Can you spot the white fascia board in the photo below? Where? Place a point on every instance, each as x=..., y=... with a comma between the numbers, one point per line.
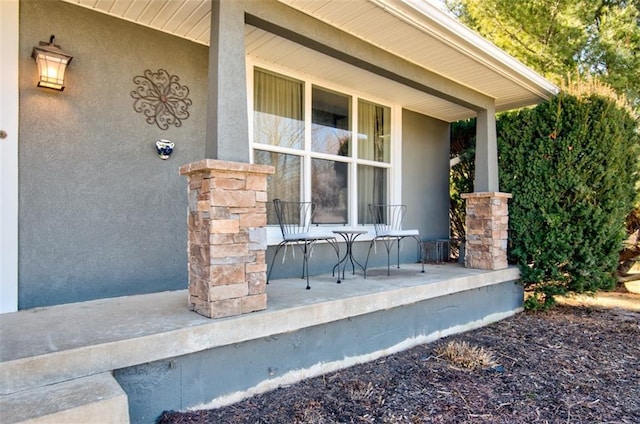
x=426, y=16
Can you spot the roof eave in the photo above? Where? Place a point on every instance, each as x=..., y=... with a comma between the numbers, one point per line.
x=429, y=18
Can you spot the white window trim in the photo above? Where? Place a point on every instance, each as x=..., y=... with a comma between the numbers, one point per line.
x=274, y=235
x=9, y=47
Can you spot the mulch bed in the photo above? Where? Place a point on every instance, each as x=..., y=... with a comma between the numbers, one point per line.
x=572, y=364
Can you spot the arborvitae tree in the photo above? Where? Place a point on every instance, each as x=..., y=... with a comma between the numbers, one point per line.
x=572, y=167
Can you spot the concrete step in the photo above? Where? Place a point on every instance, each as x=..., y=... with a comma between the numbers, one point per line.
x=93, y=399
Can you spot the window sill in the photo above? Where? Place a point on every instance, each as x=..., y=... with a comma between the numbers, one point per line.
x=274, y=236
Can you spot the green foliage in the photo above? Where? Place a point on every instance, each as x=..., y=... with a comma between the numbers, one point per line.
x=571, y=165
x=611, y=52
x=542, y=34
x=462, y=147
x=538, y=301
x=564, y=38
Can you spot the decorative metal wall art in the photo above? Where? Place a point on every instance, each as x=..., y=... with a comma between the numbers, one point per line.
x=161, y=98
x=164, y=148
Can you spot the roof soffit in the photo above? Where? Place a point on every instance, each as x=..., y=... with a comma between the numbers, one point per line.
x=419, y=32
x=415, y=30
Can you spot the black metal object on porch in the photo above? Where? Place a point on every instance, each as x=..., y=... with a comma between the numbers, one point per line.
x=387, y=221
x=349, y=236
x=295, y=220
x=437, y=251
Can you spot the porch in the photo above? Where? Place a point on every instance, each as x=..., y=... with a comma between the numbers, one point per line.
x=60, y=360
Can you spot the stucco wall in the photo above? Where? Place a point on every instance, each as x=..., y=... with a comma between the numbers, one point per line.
x=425, y=174
x=100, y=214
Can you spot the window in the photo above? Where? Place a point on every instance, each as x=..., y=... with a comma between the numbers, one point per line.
x=330, y=134
x=326, y=146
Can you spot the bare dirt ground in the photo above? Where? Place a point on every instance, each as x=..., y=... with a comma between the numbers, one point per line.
x=578, y=363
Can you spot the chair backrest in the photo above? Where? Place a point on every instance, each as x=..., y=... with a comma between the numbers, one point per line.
x=387, y=218
x=294, y=217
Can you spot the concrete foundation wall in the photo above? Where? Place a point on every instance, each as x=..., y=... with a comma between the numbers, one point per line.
x=100, y=214
x=227, y=373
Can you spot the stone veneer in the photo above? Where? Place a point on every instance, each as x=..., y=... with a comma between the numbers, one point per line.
x=487, y=230
x=227, y=237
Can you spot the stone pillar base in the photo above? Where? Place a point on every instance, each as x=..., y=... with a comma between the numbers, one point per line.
x=487, y=223
x=227, y=237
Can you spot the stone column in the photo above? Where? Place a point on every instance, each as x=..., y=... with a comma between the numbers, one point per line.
x=487, y=222
x=227, y=237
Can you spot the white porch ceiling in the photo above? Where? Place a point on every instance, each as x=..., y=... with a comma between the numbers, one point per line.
x=414, y=30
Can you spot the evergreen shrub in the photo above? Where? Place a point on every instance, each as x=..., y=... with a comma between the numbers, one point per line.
x=572, y=167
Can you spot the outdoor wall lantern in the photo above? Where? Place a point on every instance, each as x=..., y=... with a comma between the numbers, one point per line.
x=52, y=62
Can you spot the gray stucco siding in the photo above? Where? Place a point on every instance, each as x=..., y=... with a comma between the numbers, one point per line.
x=425, y=174
x=100, y=214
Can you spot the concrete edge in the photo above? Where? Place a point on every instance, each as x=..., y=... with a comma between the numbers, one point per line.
x=97, y=398
x=26, y=373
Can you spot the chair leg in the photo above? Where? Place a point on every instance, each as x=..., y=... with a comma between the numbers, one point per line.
x=421, y=250
x=334, y=244
x=304, y=253
x=398, y=253
x=306, y=263
x=367, y=261
x=389, y=245
x=304, y=249
x=306, y=266
x=273, y=261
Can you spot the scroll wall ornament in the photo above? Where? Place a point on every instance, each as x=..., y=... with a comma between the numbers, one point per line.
x=161, y=98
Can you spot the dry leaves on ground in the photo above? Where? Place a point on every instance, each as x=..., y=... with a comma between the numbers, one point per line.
x=573, y=364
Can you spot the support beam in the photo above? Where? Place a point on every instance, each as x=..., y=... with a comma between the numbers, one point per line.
x=486, y=176
x=227, y=120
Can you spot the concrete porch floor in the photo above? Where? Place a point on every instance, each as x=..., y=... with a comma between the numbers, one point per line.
x=45, y=346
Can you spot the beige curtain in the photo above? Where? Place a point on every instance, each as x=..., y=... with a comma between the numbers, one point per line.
x=278, y=110
x=285, y=183
x=374, y=129
x=373, y=144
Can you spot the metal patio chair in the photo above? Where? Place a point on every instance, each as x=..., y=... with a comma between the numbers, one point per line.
x=295, y=220
x=387, y=221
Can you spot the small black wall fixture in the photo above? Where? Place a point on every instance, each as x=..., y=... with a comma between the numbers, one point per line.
x=52, y=63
